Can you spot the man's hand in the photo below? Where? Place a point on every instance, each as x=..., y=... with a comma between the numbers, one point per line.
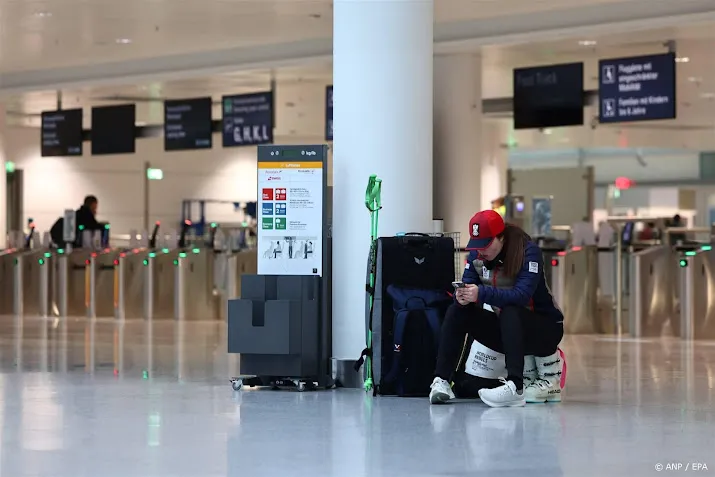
x=468, y=294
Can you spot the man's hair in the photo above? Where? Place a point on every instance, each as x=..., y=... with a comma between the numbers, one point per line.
x=89, y=201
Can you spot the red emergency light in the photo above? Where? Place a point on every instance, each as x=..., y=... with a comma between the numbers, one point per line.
x=624, y=183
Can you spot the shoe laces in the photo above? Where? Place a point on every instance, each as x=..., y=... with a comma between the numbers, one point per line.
x=542, y=383
x=507, y=387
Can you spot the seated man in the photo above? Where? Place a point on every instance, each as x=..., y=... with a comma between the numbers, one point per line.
x=506, y=305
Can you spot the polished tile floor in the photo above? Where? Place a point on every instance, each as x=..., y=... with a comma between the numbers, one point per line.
x=94, y=398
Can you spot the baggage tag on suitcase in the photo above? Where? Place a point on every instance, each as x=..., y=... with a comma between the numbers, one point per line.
x=484, y=362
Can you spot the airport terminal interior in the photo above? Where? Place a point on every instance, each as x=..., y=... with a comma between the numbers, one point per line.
x=184, y=235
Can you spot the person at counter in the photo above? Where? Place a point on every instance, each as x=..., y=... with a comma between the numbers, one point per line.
x=676, y=238
x=505, y=304
x=85, y=219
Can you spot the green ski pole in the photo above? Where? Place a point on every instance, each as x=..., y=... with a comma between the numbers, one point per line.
x=373, y=204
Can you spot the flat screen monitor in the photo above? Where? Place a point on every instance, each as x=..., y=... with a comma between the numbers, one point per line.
x=61, y=133
x=113, y=129
x=548, y=96
x=187, y=124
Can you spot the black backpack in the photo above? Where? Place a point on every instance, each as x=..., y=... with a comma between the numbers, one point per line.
x=56, y=232
x=417, y=321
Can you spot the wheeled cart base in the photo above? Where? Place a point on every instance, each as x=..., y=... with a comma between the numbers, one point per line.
x=300, y=384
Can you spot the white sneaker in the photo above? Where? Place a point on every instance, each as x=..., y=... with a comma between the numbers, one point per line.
x=440, y=391
x=547, y=387
x=504, y=396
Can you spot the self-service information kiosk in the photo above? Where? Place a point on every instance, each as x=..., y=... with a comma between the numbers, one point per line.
x=281, y=325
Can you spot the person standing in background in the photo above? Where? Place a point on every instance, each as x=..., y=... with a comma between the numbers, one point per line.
x=499, y=206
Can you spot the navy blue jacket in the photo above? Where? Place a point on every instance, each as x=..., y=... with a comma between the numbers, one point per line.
x=528, y=289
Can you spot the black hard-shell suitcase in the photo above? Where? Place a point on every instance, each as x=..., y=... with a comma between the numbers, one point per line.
x=414, y=261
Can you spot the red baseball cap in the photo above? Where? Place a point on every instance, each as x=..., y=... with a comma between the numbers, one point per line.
x=483, y=229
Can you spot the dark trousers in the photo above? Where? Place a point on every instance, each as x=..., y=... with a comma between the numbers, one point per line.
x=515, y=331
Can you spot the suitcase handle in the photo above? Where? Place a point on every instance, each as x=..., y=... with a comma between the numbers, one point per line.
x=417, y=239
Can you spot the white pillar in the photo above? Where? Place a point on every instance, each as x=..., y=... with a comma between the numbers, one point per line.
x=457, y=140
x=495, y=159
x=382, y=73
x=3, y=181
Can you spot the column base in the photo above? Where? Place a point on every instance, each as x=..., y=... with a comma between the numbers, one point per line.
x=344, y=375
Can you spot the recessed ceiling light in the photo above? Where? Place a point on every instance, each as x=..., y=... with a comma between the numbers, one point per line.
x=707, y=95
x=587, y=42
x=123, y=41
x=682, y=59
x=547, y=131
x=695, y=79
x=43, y=14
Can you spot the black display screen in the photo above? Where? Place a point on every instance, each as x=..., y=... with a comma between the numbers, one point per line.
x=61, y=133
x=113, y=129
x=548, y=96
x=640, y=88
x=248, y=119
x=187, y=124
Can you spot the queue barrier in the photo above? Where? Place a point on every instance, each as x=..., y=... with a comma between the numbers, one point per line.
x=654, y=293
x=574, y=277
x=697, y=287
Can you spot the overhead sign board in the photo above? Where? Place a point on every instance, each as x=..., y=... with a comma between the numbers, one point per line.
x=291, y=209
x=248, y=119
x=640, y=88
x=329, y=113
x=548, y=96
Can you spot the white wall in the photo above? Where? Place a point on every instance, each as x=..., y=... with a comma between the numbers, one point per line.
x=53, y=184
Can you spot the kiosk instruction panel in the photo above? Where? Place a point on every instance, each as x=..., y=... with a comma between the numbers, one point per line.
x=291, y=209
x=637, y=89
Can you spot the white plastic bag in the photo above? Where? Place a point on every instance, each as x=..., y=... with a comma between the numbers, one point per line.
x=484, y=362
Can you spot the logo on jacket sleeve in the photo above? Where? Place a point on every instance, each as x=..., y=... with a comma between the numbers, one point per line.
x=534, y=267
x=475, y=230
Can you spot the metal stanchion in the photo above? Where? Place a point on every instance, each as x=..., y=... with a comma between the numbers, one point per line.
x=149, y=289
x=62, y=284
x=91, y=301
x=179, y=295
x=44, y=288
x=18, y=305
x=619, y=280
x=119, y=312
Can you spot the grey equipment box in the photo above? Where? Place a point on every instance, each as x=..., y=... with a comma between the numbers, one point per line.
x=281, y=330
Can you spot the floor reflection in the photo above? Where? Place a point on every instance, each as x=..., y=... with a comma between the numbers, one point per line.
x=98, y=397
x=149, y=349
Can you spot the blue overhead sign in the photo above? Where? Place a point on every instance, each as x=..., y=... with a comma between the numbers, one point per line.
x=637, y=89
x=329, y=113
x=248, y=119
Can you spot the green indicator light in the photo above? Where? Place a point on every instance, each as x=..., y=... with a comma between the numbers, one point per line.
x=145, y=374
x=165, y=250
x=41, y=261
x=176, y=262
x=690, y=254
x=707, y=248
x=182, y=255
x=81, y=228
x=152, y=255
x=683, y=263
x=48, y=254
x=106, y=226
x=146, y=262
x=214, y=225
x=196, y=250
x=60, y=251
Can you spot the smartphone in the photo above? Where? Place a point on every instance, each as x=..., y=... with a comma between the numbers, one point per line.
x=458, y=284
